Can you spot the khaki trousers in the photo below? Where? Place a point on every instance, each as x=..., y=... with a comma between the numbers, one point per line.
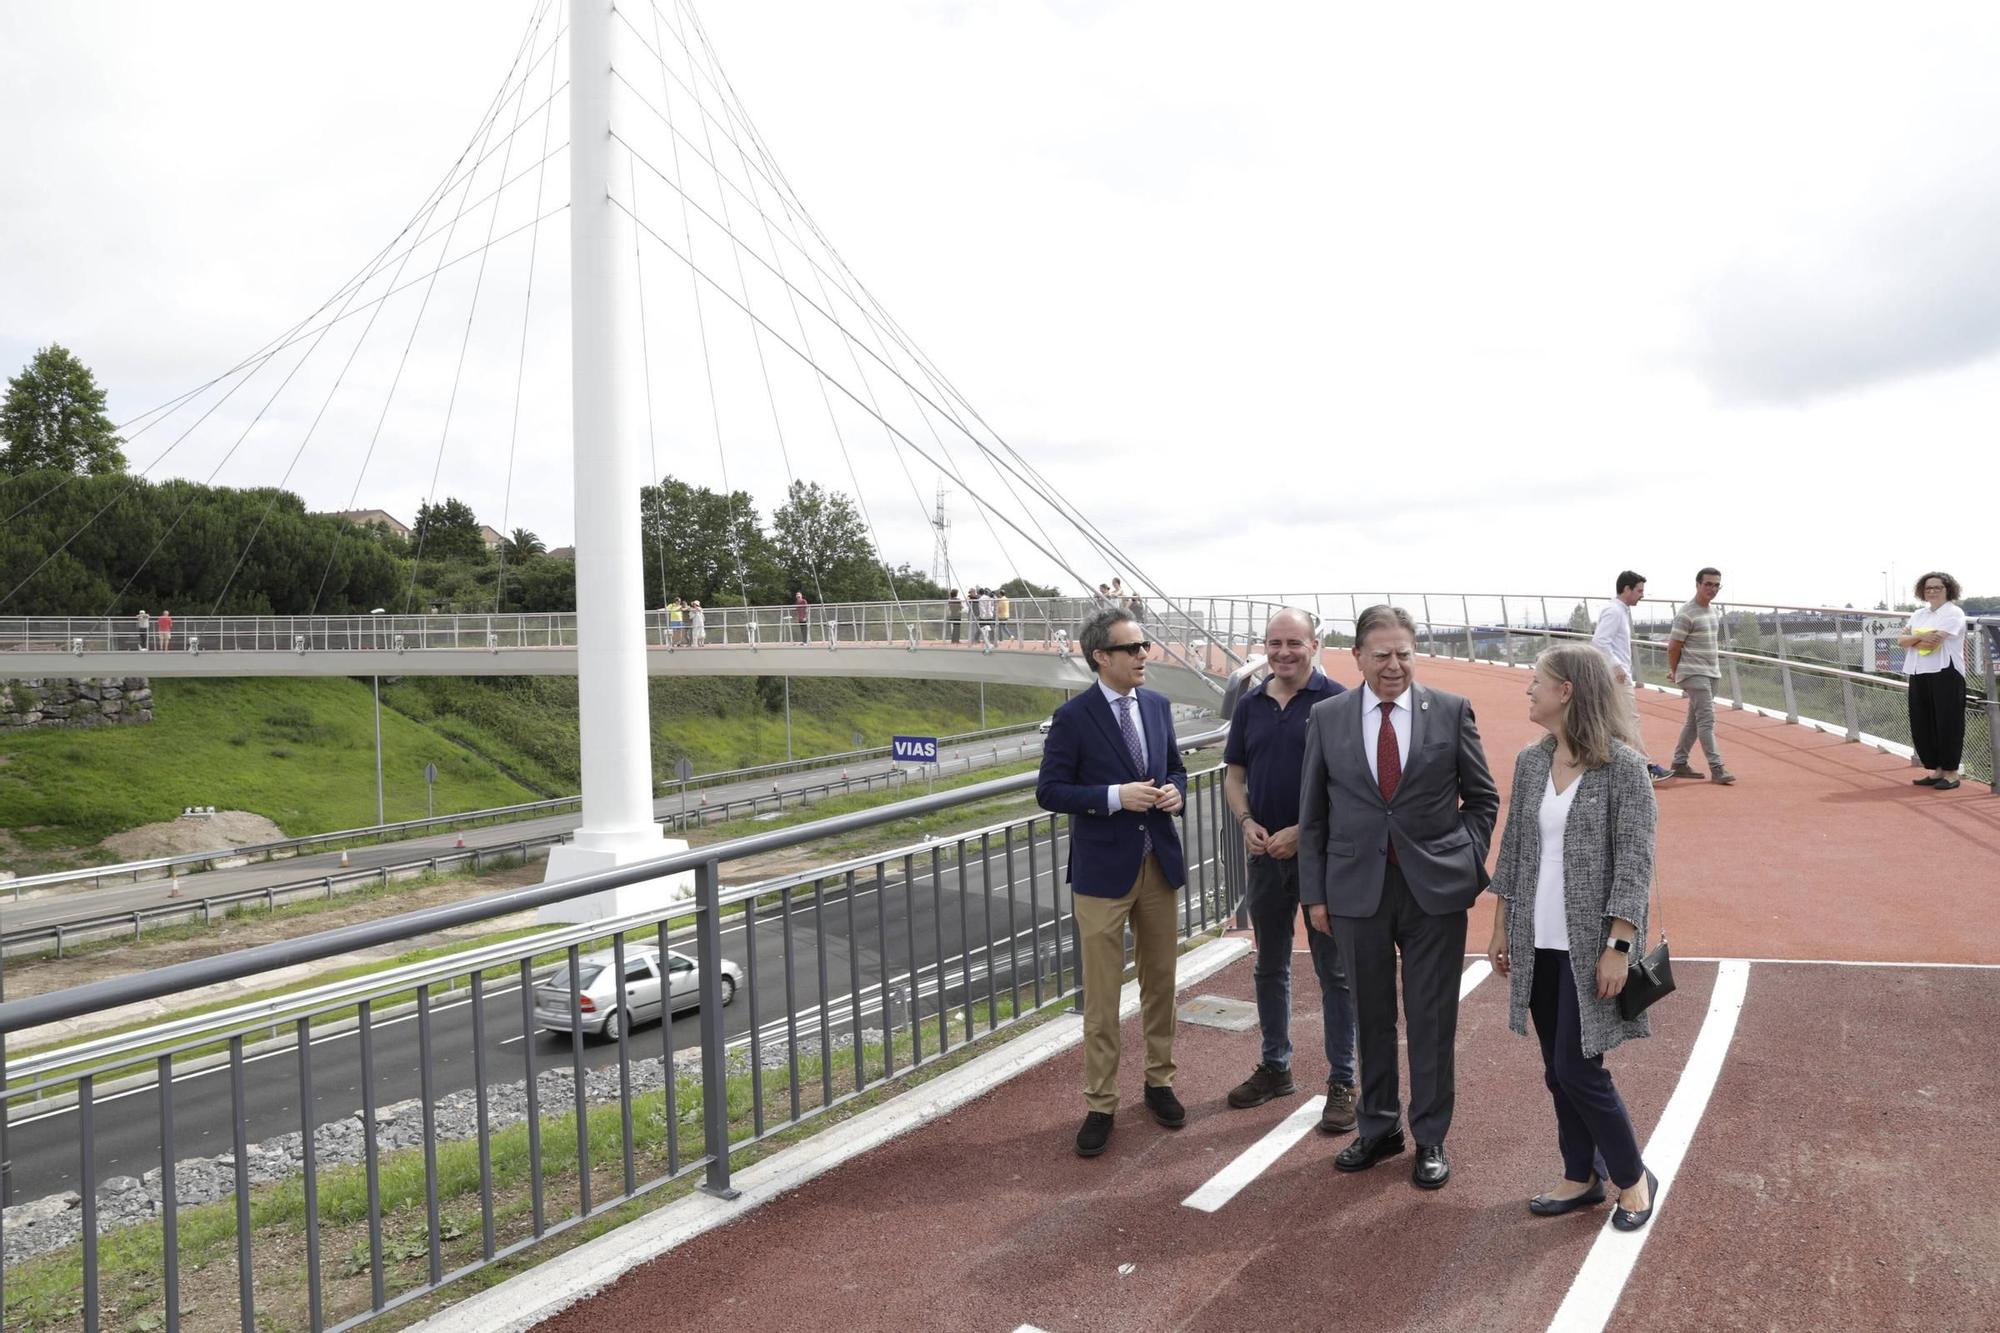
x=1150, y=906
x=1628, y=730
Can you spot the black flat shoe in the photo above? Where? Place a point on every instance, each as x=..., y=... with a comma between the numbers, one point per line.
x=1543, y=1206
x=1925, y=782
x=1365, y=1152
x=1432, y=1167
x=1095, y=1134
x=1626, y=1220
x=1945, y=784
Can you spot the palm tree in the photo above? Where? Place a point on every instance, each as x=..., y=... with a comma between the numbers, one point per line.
x=522, y=545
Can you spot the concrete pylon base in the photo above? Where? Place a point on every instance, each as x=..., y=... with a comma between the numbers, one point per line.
x=652, y=895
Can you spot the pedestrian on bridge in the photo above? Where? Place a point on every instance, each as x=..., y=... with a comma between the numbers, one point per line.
x=1574, y=871
x=1110, y=763
x=954, y=616
x=674, y=614
x=1614, y=639
x=1694, y=662
x=165, y=626
x=1934, y=660
x=1265, y=755
x=1396, y=809
x=800, y=610
x=987, y=609
x=1004, y=610
x=697, y=624
x=145, y=623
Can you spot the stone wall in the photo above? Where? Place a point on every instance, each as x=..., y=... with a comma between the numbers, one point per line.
x=75, y=703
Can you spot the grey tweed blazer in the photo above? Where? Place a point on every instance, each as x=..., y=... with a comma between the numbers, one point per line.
x=1607, y=872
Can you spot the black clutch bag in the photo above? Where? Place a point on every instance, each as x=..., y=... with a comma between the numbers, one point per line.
x=1650, y=980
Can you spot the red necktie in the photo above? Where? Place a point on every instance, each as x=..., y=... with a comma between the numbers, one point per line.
x=1388, y=759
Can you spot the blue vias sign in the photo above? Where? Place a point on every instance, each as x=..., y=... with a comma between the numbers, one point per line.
x=913, y=749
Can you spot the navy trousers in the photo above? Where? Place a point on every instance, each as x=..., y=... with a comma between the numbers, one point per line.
x=1592, y=1126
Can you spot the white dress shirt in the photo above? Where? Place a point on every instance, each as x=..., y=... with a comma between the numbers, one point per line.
x=1614, y=634
x=1112, y=805
x=1371, y=727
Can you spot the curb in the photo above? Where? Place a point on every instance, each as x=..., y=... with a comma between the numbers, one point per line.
x=529, y=1298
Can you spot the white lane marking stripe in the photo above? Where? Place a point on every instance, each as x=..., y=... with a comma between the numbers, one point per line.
x=1027, y=1328
x=1594, y=1294
x=1253, y=1161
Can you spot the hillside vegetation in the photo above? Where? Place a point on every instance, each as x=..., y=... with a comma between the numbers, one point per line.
x=302, y=752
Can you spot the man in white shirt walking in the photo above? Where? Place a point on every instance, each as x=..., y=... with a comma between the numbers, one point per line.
x=1614, y=639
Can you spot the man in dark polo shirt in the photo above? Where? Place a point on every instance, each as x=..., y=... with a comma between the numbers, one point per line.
x=1265, y=753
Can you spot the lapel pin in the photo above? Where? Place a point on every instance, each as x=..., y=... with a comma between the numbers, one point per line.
x=1425, y=706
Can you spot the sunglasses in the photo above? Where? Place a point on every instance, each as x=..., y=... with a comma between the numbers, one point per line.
x=1139, y=649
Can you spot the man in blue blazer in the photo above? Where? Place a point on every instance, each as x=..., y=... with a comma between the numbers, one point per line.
x=1111, y=764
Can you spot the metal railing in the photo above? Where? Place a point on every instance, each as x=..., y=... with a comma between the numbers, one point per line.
x=397, y=831
x=96, y=924
x=1833, y=668
x=812, y=990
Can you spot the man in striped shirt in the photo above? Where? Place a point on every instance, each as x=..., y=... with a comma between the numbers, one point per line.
x=1694, y=662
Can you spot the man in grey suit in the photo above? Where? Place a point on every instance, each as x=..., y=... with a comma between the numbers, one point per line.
x=1396, y=811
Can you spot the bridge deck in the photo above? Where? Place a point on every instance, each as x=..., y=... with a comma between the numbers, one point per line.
x=1832, y=1181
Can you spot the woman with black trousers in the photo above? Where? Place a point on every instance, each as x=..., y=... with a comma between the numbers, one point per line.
x=1934, y=660
x=1574, y=871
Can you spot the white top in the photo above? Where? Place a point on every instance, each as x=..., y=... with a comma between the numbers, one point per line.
x=986, y=605
x=1950, y=619
x=1371, y=727
x=1551, y=918
x=1614, y=634
x=1112, y=804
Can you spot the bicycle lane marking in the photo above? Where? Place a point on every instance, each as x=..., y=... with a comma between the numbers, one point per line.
x=1601, y=1280
x=1260, y=1156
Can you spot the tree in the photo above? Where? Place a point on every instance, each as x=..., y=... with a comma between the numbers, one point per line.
x=821, y=544
x=1579, y=620
x=54, y=419
x=522, y=546
x=703, y=544
x=447, y=531
x=1019, y=587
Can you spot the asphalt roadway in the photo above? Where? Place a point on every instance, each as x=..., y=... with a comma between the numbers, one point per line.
x=916, y=919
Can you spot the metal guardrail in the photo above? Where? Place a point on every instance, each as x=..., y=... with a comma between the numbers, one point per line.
x=394, y=832
x=981, y=936
x=90, y=925
x=1811, y=675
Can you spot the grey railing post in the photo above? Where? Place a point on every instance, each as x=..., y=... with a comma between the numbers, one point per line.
x=1785, y=672
x=1506, y=632
x=714, y=1065
x=1853, y=711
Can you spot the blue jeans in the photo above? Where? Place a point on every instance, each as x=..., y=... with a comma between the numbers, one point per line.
x=1274, y=908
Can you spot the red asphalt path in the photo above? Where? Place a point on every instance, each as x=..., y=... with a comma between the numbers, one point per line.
x=1840, y=1177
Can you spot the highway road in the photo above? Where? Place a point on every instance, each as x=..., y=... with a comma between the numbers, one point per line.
x=918, y=918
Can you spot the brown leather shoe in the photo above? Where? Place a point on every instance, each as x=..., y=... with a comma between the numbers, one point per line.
x=1263, y=1084
x=1338, y=1117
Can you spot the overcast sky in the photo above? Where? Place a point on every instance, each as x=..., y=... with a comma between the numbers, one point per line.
x=1283, y=296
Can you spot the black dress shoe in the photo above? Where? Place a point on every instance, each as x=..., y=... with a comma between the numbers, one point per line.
x=1166, y=1107
x=1543, y=1206
x=1095, y=1135
x=1925, y=782
x=1364, y=1152
x=1945, y=784
x=1625, y=1219
x=1433, y=1168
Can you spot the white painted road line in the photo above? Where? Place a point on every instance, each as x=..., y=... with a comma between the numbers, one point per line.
x=1594, y=1294
x=1253, y=1161
x=1472, y=976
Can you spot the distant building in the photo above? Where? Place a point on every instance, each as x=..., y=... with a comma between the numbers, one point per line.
x=490, y=537
x=365, y=518
x=563, y=553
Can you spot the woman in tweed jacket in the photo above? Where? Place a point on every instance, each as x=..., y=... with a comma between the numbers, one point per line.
x=1575, y=865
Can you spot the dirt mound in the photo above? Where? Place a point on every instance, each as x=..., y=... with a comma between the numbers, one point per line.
x=209, y=833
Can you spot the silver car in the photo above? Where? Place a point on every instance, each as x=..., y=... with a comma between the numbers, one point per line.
x=597, y=990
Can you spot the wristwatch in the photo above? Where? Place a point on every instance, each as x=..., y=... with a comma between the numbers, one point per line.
x=1622, y=946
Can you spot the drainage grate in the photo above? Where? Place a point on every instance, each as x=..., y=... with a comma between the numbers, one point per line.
x=1215, y=1012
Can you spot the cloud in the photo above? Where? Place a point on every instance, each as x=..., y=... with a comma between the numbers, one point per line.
x=1907, y=290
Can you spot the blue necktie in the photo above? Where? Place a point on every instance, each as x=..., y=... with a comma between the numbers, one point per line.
x=1138, y=752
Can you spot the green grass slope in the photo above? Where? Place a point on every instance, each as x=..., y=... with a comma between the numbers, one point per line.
x=302, y=752
x=299, y=752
